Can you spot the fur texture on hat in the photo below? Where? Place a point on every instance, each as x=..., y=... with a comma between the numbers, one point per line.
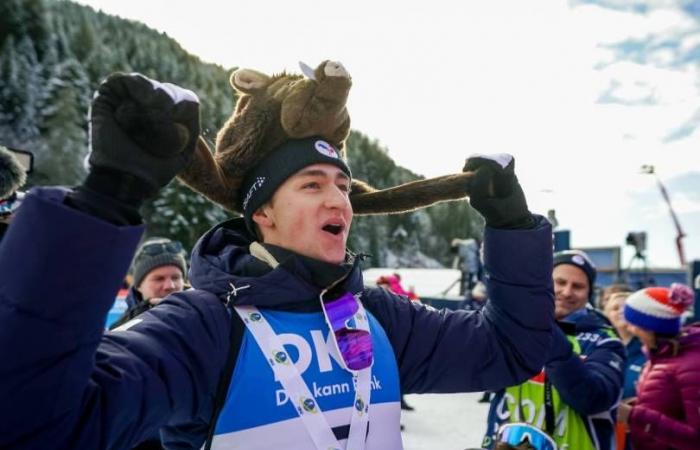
x=659, y=309
x=12, y=174
x=273, y=109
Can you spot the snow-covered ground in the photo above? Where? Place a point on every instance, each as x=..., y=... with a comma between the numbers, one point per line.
x=444, y=422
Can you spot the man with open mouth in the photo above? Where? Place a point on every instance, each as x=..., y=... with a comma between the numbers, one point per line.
x=279, y=344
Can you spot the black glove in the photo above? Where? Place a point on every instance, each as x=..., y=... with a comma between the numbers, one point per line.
x=561, y=349
x=142, y=134
x=496, y=193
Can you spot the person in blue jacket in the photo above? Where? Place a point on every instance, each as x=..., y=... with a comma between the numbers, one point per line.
x=574, y=398
x=636, y=358
x=278, y=344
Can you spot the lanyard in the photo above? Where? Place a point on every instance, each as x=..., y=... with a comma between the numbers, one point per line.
x=298, y=392
x=548, y=406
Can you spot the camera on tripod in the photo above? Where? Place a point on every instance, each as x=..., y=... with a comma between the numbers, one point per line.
x=637, y=239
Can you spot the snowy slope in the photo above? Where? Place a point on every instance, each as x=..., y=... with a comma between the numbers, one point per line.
x=444, y=422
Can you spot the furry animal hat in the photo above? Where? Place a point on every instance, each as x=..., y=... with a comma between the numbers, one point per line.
x=12, y=174
x=273, y=109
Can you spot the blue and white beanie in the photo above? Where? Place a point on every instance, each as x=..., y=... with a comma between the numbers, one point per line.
x=659, y=309
x=581, y=260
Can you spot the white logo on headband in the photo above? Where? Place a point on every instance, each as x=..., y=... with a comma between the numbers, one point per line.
x=257, y=184
x=326, y=149
x=578, y=259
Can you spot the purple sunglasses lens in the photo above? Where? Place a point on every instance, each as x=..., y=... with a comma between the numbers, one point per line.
x=341, y=310
x=355, y=346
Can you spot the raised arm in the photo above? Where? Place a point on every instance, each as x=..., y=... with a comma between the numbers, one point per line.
x=64, y=385
x=505, y=343
x=589, y=385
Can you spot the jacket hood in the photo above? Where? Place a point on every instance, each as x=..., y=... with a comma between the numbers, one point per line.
x=222, y=264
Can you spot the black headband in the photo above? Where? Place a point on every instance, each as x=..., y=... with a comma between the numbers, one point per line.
x=263, y=180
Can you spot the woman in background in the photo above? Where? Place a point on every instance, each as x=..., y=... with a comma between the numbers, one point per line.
x=666, y=413
x=613, y=310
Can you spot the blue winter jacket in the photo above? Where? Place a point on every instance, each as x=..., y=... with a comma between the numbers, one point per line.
x=68, y=384
x=633, y=368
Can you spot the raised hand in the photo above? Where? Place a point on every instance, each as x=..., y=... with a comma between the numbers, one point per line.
x=496, y=193
x=142, y=133
x=143, y=128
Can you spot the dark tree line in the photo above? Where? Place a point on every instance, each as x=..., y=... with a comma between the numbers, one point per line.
x=53, y=55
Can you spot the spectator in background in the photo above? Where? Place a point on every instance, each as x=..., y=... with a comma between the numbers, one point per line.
x=636, y=358
x=158, y=270
x=469, y=262
x=666, y=412
x=393, y=283
x=607, y=291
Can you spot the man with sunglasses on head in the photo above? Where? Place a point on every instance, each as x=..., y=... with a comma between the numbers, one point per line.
x=158, y=270
x=279, y=344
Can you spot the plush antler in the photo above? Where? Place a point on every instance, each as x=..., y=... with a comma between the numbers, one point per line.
x=409, y=196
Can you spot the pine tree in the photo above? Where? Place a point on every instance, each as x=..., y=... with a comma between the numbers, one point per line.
x=63, y=124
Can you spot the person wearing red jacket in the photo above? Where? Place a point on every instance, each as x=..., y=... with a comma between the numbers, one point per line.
x=666, y=414
x=393, y=283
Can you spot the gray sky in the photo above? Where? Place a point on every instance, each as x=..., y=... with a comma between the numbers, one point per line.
x=582, y=95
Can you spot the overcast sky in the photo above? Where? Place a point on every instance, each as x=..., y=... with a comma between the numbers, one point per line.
x=582, y=93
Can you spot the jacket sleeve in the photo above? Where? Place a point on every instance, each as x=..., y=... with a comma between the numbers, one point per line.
x=64, y=384
x=503, y=344
x=160, y=370
x=676, y=379
x=592, y=384
x=664, y=429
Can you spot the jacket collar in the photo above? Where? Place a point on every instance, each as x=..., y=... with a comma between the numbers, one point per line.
x=222, y=264
x=670, y=347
